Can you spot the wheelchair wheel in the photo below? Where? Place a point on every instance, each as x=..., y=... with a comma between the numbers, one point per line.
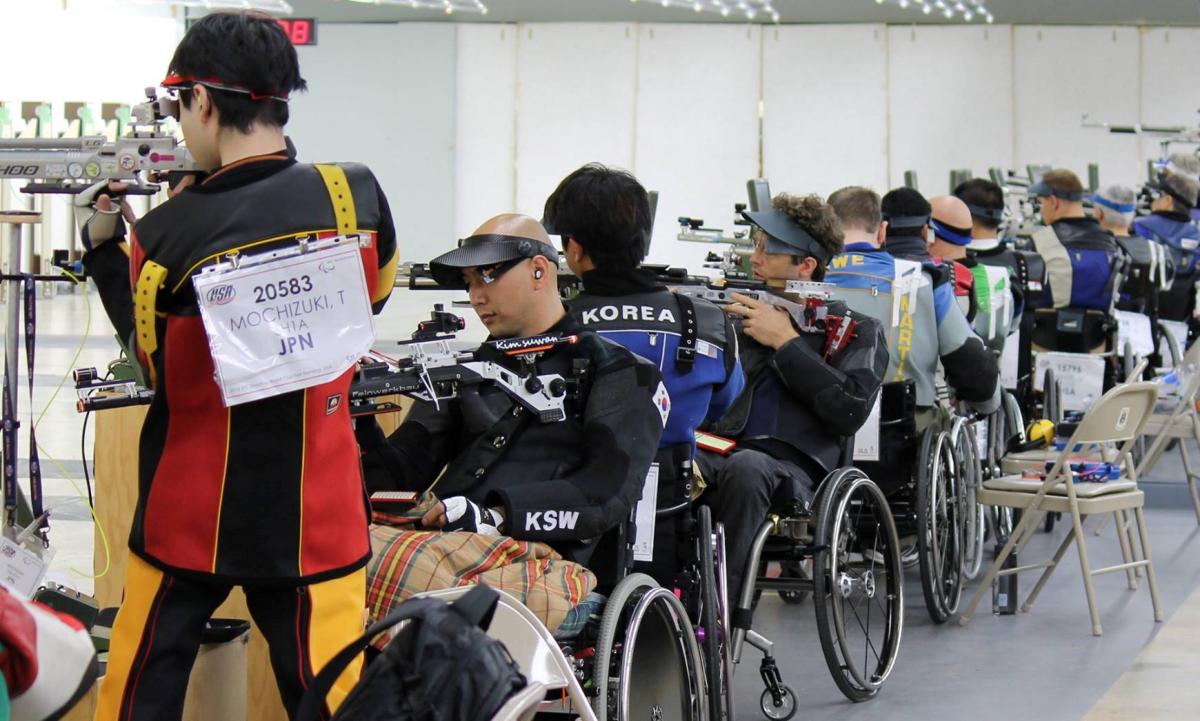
x=786, y=708
x=939, y=528
x=969, y=480
x=1172, y=345
x=714, y=618
x=858, y=585
x=647, y=662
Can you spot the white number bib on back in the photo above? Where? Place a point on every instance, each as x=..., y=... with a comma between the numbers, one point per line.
x=286, y=320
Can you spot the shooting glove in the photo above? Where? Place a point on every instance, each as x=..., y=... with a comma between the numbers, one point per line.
x=465, y=515
x=97, y=227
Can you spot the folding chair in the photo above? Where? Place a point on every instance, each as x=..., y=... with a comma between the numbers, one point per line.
x=1118, y=417
x=1019, y=461
x=1182, y=424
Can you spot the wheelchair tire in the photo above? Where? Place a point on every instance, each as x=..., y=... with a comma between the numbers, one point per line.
x=715, y=644
x=1172, y=345
x=939, y=528
x=857, y=570
x=785, y=710
x=644, y=635
x=970, y=480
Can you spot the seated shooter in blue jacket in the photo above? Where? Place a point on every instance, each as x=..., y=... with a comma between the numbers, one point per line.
x=914, y=299
x=603, y=217
x=1170, y=224
x=1083, y=261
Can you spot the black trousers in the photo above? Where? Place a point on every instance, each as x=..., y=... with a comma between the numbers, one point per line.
x=742, y=487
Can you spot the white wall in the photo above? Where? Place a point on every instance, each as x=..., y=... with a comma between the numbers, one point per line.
x=949, y=102
x=485, y=149
x=696, y=128
x=575, y=103
x=825, y=107
x=1170, y=78
x=384, y=95
x=1059, y=74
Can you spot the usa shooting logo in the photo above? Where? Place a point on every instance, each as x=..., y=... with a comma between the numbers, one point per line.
x=219, y=295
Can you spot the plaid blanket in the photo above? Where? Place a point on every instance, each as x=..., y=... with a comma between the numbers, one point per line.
x=406, y=562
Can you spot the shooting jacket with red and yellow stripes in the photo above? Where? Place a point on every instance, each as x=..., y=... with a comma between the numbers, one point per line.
x=265, y=491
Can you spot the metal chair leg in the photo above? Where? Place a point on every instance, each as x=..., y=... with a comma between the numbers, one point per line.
x=1089, y=589
x=1150, y=580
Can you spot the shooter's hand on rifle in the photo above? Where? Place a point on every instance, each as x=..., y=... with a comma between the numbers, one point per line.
x=765, y=323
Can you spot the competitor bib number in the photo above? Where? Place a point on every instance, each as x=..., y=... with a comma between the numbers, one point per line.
x=285, y=324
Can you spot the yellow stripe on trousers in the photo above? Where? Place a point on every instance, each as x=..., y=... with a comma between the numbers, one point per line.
x=337, y=617
x=142, y=583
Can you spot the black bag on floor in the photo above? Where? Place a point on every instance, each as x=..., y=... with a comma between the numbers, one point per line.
x=441, y=666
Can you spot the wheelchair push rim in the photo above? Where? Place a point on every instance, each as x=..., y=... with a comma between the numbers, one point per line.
x=939, y=528
x=714, y=617
x=645, y=631
x=858, y=585
x=969, y=475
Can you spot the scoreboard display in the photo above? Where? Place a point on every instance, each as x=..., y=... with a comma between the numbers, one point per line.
x=301, y=31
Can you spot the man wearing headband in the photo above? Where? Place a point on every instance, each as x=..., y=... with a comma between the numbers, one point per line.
x=1170, y=224
x=1026, y=270
x=930, y=326
x=565, y=484
x=267, y=494
x=791, y=421
x=603, y=218
x=1150, y=264
x=1083, y=260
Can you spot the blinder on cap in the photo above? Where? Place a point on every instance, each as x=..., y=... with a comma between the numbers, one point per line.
x=484, y=251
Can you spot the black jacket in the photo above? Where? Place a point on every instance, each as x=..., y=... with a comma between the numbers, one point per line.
x=564, y=483
x=798, y=406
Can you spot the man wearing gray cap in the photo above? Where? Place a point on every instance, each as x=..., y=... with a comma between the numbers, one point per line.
x=1169, y=223
x=1083, y=261
x=803, y=397
x=507, y=472
x=1150, y=266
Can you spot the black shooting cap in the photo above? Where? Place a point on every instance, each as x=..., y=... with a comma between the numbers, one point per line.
x=485, y=251
x=785, y=235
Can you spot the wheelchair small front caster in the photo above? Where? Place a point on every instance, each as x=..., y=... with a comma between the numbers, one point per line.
x=781, y=708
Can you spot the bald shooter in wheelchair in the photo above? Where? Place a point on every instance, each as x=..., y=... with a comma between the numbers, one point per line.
x=807, y=388
x=535, y=493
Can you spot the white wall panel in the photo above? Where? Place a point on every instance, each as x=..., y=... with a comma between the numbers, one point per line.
x=1169, y=81
x=575, y=103
x=825, y=107
x=485, y=146
x=398, y=118
x=1063, y=73
x=950, y=102
x=696, y=127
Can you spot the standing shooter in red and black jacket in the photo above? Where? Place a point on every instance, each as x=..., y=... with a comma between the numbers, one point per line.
x=268, y=494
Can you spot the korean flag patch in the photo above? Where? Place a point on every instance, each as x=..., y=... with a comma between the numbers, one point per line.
x=662, y=401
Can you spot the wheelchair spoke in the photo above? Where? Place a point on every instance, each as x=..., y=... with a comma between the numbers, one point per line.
x=866, y=633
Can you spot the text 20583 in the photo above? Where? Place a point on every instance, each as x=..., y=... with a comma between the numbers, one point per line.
x=282, y=289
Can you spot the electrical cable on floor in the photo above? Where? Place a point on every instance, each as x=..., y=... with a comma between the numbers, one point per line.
x=87, y=329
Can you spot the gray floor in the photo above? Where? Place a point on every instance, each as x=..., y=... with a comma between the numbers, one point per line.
x=1044, y=664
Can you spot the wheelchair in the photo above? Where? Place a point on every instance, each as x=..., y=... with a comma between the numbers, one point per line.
x=928, y=478
x=849, y=537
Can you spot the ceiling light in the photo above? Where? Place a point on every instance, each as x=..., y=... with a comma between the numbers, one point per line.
x=968, y=10
x=751, y=9
x=447, y=6
x=278, y=7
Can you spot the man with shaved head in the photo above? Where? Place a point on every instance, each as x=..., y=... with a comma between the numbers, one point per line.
x=560, y=485
x=984, y=292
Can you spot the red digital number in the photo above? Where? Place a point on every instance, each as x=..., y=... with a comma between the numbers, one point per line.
x=298, y=31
